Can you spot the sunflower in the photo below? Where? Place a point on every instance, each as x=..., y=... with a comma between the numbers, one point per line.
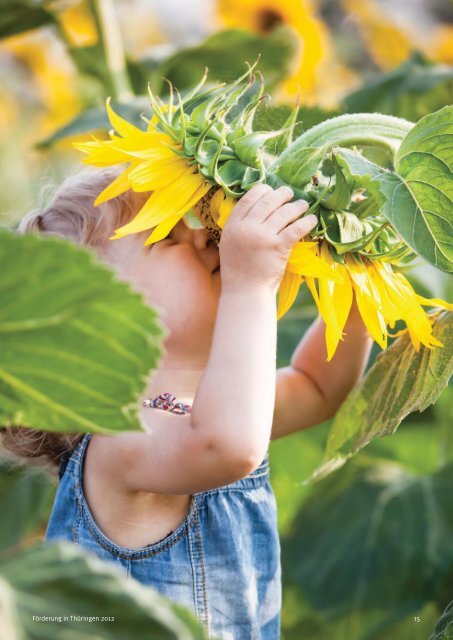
x=203, y=154
x=264, y=15
x=78, y=24
x=391, y=41
x=155, y=165
x=387, y=43
x=383, y=297
x=53, y=76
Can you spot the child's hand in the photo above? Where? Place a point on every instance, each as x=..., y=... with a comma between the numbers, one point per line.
x=258, y=237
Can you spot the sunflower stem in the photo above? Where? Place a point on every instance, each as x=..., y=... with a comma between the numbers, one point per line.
x=112, y=42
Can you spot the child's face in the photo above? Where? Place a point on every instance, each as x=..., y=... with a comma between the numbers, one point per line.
x=179, y=276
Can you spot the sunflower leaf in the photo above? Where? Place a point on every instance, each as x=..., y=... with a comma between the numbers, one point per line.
x=340, y=196
x=421, y=203
x=26, y=496
x=62, y=579
x=76, y=344
x=18, y=16
x=414, y=89
x=300, y=166
x=362, y=174
x=380, y=508
x=400, y=382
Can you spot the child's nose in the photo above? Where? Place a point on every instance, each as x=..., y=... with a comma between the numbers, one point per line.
x=183, y=233
x=200, y=238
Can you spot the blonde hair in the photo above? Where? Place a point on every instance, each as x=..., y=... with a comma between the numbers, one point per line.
x=69, y=213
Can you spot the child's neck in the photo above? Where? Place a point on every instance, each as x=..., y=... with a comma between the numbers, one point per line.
x=178, y=377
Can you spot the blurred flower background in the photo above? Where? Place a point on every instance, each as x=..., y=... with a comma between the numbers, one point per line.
x=48, y=74
x=368, y=550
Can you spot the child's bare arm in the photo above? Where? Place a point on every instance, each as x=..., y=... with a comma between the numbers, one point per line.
x=227, y=434
x=311, y=390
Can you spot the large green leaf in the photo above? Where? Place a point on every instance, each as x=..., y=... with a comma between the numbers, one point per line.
x=411, y=91
x=64, y=580
x=420, y=206
x=25, y=501
x=373, y=539
x=444, y=626
x=76, y=344
x=400, y=381
x=225, y=54
x=17, y=16
x=417, y=200
x=307, y=624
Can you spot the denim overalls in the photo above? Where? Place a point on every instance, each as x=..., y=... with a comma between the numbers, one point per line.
x=222, y=562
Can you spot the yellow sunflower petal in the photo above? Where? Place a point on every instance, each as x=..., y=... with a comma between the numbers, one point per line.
x=434, y=302
x=287, y=292
x=100, y=153
x=305, y=261
x=216, y=203
x=311, y=284
x=146, y=147
x=335, y=303
x=114, y=189
x=225, y=210
x=163, y=229
x=151, y=175
x=167, y=202
x=121, y=126
x=408, y=304
x=368, y=300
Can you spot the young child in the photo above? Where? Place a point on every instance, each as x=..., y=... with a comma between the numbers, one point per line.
x=186, y=506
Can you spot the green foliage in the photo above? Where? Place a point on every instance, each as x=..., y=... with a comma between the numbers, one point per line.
x=389, y=560
x=25, y=501
x=417, y=198
x=309, y=625
x=62, y=579
x=421, y=205
x=225, y=53
x=17, y=16
x=90, y=61
x=371, y=542
x=413, y=90
x=76, y=344
x=400, y=382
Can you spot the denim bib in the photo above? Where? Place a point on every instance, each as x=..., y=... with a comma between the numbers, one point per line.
x=222, y=561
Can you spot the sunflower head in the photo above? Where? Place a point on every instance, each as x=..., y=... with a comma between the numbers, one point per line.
x=200, y=151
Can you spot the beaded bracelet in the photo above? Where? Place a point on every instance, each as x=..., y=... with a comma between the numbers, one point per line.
x=167, y=402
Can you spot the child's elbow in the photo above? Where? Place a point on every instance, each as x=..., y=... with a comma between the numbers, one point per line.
x=240, y=457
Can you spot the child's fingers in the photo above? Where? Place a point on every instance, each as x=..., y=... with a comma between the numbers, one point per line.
x=243, y=206
x=289, y=212
x=298, y=229
x=269, y=202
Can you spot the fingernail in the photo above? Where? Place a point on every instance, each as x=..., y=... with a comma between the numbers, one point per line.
x=312, y=219
x=304, y=203
x=286, y=188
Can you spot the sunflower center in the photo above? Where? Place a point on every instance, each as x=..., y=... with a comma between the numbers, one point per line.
x=268, y=19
